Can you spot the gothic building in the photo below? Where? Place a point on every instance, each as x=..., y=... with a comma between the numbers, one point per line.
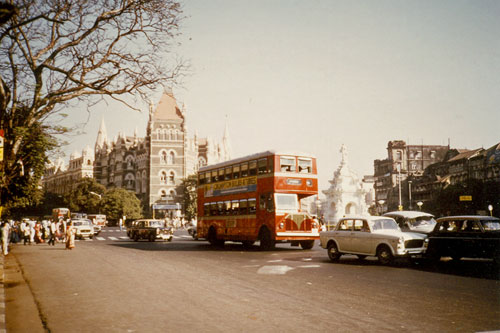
x=152, y=166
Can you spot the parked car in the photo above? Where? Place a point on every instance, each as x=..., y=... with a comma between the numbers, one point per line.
x=371, y=236
x=97, y=229
x=84, y=228
x=415, y=221
x=465, y=237
x=151, y=230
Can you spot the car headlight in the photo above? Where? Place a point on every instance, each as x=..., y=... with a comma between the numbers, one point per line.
x=401, y=243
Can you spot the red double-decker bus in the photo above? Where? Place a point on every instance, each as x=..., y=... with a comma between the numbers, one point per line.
x=258, y=197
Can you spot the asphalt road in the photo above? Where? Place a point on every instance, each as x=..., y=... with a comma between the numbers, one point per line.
x=112, y=284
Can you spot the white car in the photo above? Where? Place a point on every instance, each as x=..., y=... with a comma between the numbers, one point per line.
x=84, y=228
x=371, y=236
x=415, y=221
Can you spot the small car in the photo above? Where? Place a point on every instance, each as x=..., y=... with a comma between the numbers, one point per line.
x=151, y=230
x=414, y=221
x=372, y=236
x=84, y=228
x=97, y=229
x=471, y=236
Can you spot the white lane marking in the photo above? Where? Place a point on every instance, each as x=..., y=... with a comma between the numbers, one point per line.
x=277, y=260
x=113, y=238
x=309, y=266
x=306, y=259
x=100, y=238
x=274, y=270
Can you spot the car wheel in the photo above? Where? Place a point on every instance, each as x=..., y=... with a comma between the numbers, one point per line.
x=152, y=238
x=361, y=256
x=333, y=252
x=91, y=237
x=136, y=237
x=384, y=255
x=266, y=241
x=307, y=245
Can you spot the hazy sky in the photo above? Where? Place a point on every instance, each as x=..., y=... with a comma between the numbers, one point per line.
x=312, y=75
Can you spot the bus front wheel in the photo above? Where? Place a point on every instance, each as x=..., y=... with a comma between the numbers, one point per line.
x=307, y=244
x=212, y=238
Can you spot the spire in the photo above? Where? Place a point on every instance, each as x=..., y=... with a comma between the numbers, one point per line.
x=226, y=144
x=102, y=136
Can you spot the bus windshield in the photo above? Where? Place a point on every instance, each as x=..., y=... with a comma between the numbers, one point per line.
x=287, y=202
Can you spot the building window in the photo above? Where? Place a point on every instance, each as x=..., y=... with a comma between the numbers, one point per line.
x=171, y=178
x=399, y=155
x=170, y=158
x=163, y=157
x=163, y=177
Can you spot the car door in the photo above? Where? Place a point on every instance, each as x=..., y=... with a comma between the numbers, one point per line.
x=343, y=235
x=361, y=237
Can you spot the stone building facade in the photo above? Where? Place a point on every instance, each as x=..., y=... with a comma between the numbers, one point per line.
x=152, y=166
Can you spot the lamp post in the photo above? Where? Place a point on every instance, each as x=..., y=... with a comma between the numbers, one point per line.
x=400, y=207
x=100, y=197
x=490, y=208
x=409, y=193
x=381, y=206
x=419, y=204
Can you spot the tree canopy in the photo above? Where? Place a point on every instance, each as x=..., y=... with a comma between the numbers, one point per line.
x=56, y=53
x=119, y=202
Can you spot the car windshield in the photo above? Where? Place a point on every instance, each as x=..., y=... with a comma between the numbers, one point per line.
x=423, y=221
x=80, y=223
x=384, y=224
x=155, y=224
x=491, y=225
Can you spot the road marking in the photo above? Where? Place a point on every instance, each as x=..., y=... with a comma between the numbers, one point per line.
x=274, y=270
x=309, y=266
x=113, y=238
x=277, y=260
x=100, y=238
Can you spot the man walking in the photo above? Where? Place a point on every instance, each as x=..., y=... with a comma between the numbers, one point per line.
x=52, y=233
x=5, y=238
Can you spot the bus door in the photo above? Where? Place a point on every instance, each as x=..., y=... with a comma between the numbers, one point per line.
x=265, y=213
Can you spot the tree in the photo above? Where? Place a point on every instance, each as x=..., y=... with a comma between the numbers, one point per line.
x=118, y=202
x=190, y=196
x=85, y=197
x=56, y=53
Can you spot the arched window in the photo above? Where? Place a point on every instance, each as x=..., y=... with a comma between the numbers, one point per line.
x=171, y=178
x=170, y=158
x=163, y=157
x=163, y=177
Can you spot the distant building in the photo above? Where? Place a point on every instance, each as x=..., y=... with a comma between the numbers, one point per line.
x=152, y=166
x=403, y=161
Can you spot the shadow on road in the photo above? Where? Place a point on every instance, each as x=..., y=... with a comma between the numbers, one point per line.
x=484, y=269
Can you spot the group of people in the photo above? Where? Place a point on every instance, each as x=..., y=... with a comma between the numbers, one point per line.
x=29, y=232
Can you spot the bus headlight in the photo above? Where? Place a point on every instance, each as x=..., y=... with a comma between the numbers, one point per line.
x=282, y=225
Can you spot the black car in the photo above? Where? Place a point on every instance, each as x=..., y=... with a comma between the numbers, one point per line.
x=465, y=237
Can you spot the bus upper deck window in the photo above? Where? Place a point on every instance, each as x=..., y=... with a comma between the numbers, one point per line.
x=244, y=169
x=229, y=173
x=262, y=166
x=214, y=176
x=220, y=176
x=287, y=164
x=305, y=165
x=207, y=177
x=201, y=178
x=236, y=171
x=270, y=164
x=252, y=168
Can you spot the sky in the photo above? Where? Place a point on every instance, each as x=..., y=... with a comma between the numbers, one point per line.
x=312, y=75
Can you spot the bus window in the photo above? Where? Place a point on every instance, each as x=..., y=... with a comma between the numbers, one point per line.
x=220, y=176
x=207, y=177
x=213, y=209
x=252, y=206
x=214, y=176
x=229, y=173
x=287, y=202
x=305, y=165
x=201, y=178
x=220, y=208
x=227, y=208
x=236, y=171
x=206, y=209
x=244, y=169
x=262, y=166
x=270, y=165
x=235, y=205
x=287, y=164
x=243, y=207
x=262, y=202
x=252, y=168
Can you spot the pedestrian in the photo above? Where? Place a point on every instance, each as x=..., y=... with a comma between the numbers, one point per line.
x=32, y=231
x=52, y=233
x=120, y=223
x=26, y=232
x=70, y=236
x=5, y=238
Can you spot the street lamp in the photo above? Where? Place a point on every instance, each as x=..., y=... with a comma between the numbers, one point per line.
x=100, y=197
x=381, y=206
x=409, y=193
x=419, y=204
x=490, y=208
x=400, y=207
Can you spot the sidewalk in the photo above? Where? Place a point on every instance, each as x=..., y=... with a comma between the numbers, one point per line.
x=18, y=309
